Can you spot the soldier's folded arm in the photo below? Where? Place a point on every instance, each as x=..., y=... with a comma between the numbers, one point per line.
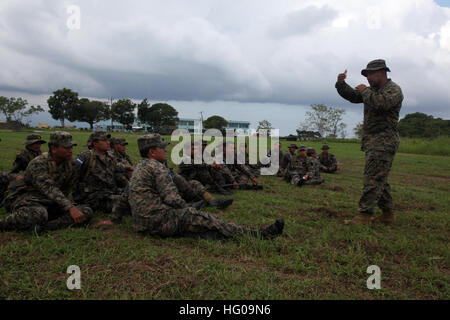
x=382, y=100
x=348, y=93
x=167, y=190
x=43, y=182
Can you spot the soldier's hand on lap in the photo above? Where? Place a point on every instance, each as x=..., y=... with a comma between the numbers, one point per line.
x=342, y=76
x=77, y=215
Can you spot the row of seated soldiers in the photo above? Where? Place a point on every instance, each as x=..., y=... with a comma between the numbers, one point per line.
x=304, y=167
x=98, y=180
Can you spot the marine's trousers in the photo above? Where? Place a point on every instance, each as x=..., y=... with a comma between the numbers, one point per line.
x=377, y=190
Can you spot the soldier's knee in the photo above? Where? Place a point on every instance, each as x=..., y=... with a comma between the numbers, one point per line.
x=87, y=211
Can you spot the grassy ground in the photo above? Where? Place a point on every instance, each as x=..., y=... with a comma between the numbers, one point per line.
x=317, y=258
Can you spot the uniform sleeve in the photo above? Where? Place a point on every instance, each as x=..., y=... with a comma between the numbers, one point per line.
x=37, y=173
x=348, y=93
x=167, y=189
x=19, y=164
x=383, y=100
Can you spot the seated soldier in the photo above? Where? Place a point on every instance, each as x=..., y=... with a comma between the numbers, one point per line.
x=40, y=201
x=199, y=172
x=32, y=150
x=297, y=168
x=253, y=168
x=119, y=151
x=312, y=176
x=101, y=180
x=286, y=160
x=241, y=173
x=158, y=209
x=328, y=162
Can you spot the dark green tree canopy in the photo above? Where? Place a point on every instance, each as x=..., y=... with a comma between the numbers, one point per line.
x=123, y=111
x=420, y=125
x=62, y=103
x=159, y=116
x=90, y=111
x=215, y=122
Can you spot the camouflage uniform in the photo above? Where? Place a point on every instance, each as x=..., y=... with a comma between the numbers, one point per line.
x=328, y=160
x=5, y=179
x=286, y=160
x=313, y=172
x=158, y=209
x=101, y=180
x=297, y=168
x=41, y=197
x=380, y=138
x=25, y=156
x=122, y=159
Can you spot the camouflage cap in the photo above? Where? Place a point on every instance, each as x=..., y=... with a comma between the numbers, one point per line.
x=301, y=148
x=375, y=65
x=98, y=136
x=325, y=147
x=62, y=138
x=310, y=151
x=34, y=138
x=120, y=141
x=293, y=146
x=151, y=140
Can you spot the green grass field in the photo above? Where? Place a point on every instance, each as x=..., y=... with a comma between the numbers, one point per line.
x=318, y=257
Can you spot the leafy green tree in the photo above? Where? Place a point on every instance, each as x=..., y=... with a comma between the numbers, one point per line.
x=215, y=122
x=15, y=109
x=420, y=125
x=159, y=116
x=90, y=111
x=123, y=111
x=62, y=104
x=264, y=125
x=325, y=120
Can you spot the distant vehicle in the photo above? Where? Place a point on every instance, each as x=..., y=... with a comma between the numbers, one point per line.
x=43, y=126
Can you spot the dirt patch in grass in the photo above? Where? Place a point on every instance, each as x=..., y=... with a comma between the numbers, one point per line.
x=413, y=206
x=326, y=211
x=332, y=188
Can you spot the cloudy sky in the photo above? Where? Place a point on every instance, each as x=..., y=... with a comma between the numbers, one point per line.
x=244, y=60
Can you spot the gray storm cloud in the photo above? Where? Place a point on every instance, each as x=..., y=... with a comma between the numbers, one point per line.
x=284, y=52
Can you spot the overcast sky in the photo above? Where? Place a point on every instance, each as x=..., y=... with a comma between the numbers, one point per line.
x=244, y=60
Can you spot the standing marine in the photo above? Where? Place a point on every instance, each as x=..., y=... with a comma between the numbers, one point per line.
x=380, y=139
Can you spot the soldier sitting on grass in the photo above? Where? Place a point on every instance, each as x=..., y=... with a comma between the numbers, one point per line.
x=40, y=201
x=158, y=209
x=31, y=151
x=328, y=162
x=101, y=180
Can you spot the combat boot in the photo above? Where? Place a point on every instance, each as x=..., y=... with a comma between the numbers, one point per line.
x=222, y=191
x=387, y=217
x=275, y=229
x=360, y=219
x=199, y=204
x=221, y=203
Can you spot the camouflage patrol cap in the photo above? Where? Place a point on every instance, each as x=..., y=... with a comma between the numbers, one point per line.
x=98, y=136
x=301, y=148
x=310, y=151
x=375, y=65
x=120, y=141
x=61, y=138
x=325, y=147
x=150, y=141
x=34, y=138
x=293, y=146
